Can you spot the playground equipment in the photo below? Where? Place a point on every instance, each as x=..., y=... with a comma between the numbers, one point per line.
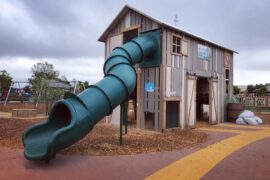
x=14, y=93
x=75, y=116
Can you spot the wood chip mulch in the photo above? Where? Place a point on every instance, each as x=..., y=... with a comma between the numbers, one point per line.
x=104, y=139
x=11, y=131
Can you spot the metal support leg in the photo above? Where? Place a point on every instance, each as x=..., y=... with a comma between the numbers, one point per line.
x=121, y=123
x=126, y=117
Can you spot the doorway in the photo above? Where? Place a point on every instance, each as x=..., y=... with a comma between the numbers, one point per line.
x=172, y=114
x=202, y=101
x=129, y=35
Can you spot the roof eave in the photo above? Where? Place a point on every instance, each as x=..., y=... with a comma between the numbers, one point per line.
x=104, y=35
x=198, y=37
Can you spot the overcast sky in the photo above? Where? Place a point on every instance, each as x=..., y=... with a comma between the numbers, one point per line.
x=65, y=33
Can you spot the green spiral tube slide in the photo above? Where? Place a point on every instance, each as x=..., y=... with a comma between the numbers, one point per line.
x=75, y=116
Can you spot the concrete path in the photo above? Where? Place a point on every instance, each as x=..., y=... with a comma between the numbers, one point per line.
x=218, y=158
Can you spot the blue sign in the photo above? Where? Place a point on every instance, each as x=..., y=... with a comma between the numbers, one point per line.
x=204, y=52
x=149, y=86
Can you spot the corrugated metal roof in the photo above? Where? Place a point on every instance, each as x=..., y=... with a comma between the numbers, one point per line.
x=126, y=8
x=57, y=84
x=242, y=87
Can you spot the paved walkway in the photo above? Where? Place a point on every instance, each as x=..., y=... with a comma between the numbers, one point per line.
x=224, y=155
x=198, y=164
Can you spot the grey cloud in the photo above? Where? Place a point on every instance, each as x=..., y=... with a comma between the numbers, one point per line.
x=67, y=29
x=60, y=31
x=80, y=68
x=71, y=28
x=57, y=13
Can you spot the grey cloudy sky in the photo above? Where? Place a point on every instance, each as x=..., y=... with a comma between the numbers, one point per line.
x=65, y=33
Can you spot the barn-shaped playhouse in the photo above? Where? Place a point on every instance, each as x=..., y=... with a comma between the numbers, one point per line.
x=193, y=80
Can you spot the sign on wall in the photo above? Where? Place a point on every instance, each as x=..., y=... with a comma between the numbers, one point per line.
x=149, y=86
x=204, y=52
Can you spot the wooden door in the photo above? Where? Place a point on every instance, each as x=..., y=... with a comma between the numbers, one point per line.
x=191, y=101
x=213, y=101
x=172, y=114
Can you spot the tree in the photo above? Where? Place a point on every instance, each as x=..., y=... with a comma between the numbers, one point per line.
x=236, y=90
x=5, y=80
x=261, y=91
x=258, y=86
x=64, y=78
x=44, y=70
x=27, y=89
x=250, y=89
x=85, y=84
x=41, y=74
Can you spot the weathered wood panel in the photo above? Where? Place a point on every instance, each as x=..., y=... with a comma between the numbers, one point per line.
x=114, y=118
x=191, y=101
x=138, y=98
x=116, y=41
x=143, y=99
x=151, y=95
x=184, y=47
x=174, y=73
x=183, y=119
x=168, y=81
x=195, y=64
x=213, y=101
x=173, y=69
x=127, y=20
x=150, y=98
x=177, y=82
x=168, y=50
x=157, y=99
x=24, y=113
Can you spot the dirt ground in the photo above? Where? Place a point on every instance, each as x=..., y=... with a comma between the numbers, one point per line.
x=104, y=139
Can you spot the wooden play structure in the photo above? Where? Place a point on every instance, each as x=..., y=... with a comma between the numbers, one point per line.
x=194, y=80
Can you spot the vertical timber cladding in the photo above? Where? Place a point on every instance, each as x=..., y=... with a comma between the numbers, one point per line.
x=111, y=43
x=172, y=79
x=191, y=101
x=196, y=65
x=219, y=71
x=173, y=66
x=149, y=101
x=227, y=65
x=211, y=67
x=213, y=101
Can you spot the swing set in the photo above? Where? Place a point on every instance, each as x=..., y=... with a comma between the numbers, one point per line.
x=15, y=92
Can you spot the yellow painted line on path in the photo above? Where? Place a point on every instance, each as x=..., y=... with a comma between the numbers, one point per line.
x=243, y=126
x=197, y=164
x=222, y=130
